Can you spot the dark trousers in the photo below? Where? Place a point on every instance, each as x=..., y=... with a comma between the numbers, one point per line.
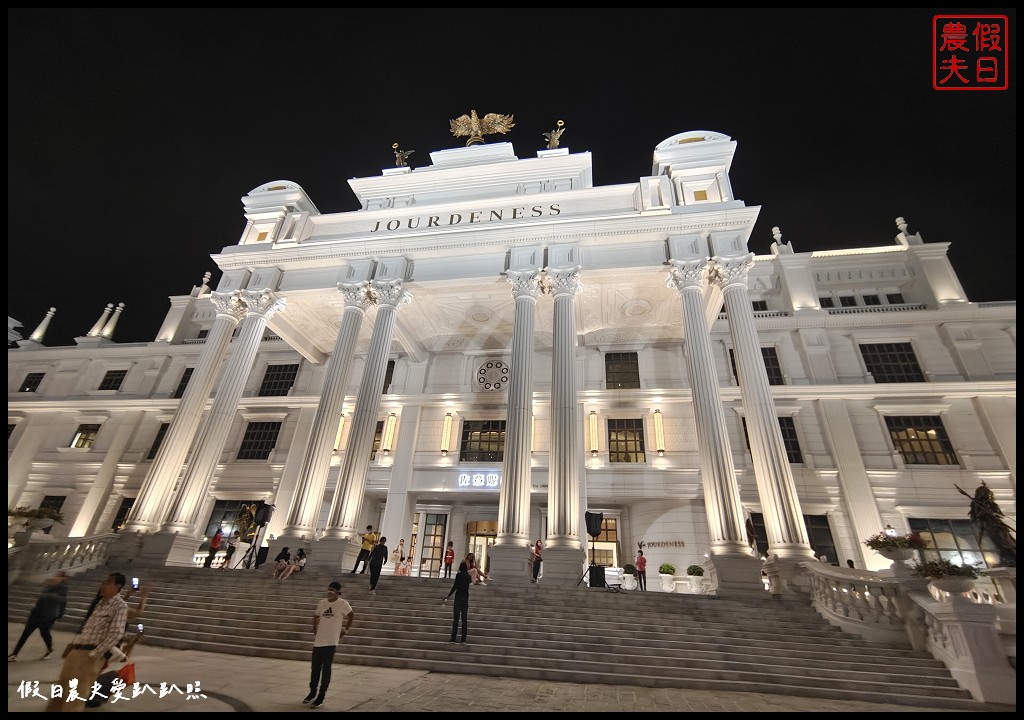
x=211, y=556
x=448, y=570
x=362, y=557
x=536, y=569
x=374, y=575
x=36, y=622
x=641, y=579
x=460, y=610
x=320, y=674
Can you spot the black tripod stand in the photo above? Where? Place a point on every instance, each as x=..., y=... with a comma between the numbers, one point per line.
x=595, y=572
x=588, y=573
x=250, y=556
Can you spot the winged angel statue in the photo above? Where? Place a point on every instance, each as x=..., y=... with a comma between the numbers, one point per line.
x=475, y=127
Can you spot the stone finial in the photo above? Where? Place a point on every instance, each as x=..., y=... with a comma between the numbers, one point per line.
x=98, y=327
x=108, y=329
x=777, y=234
x=901, y=224
x=37, y=336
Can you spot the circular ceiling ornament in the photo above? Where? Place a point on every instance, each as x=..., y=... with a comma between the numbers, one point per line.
x=492, y=375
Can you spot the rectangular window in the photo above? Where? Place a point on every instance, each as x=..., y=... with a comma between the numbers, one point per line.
x=157, y=441
x=921, y=440
x=847, y=300
x=621, y=370
x=31, y=383
x=956, y=541
x=434, y=529
x=482, y=441
x=259, y=440
x=278, y=380
x=895, y=298
x=819, y=534
x=378, y=437
x=891, y=362
x=85, y=436
x=872, y=300
x=389, y=375
x=117, y=524
x=52, y=502
x=826, y=302
x=759, y=305
x=771, y=365
x=227, y=515
x=10, y=429
x=788, y=428
x=202, y=334
x=183, y=383
x=113, y=379
x=626, y=440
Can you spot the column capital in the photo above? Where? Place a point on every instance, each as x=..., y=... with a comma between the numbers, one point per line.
x=262, y=302
x=525, y=283
x=685, y=274
x=228, y=305
x=391, y=293
x=731, y=271
x=563, y=282
x=356, y=295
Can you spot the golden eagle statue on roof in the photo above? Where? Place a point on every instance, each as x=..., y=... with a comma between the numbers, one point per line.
x=476, y=127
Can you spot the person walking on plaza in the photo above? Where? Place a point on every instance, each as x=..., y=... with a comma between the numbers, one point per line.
x=331, y=619
x=369, y=540
x=215, y=542
x=50, y=605
x=536, y=560
x=449, y=558
x=84, y=658
x=460, y=611
x=641, y=570
x=378, y=556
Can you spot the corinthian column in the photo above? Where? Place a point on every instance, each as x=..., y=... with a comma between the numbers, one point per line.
x=304, y=508
x=261, y=305
x=564, y=554
x=508, y=555
x=783, y=518
x=155, y=493
x=721, y=491
x=345, y=520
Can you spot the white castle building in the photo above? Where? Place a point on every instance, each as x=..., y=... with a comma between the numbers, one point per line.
x=491, y=347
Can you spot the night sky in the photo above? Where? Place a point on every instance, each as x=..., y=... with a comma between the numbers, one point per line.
x=132, y=135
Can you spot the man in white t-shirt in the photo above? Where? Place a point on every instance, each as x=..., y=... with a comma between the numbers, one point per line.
x=331, y=619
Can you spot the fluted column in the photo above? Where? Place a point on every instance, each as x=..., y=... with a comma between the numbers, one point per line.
x=155, y=494
x=783, y=518
x=514, y=501
x=260, y=305
x=721, y=491
x=564, y=464
x=347, y=504
x=304, y=510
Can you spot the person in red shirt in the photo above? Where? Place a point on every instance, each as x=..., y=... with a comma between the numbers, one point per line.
x=449, y=558
x=641, y=570
x=214, y=547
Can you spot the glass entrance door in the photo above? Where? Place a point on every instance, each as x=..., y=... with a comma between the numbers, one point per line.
x=481, y=534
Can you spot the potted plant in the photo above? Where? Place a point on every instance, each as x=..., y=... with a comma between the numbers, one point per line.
x=896, y=547
x=37, y=518
x=946, y=576
x=667, y=571
x=695, y=576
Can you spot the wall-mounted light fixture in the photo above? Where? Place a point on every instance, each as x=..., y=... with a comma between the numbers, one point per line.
x=446, y=435
x=387, y=441
x=593, y=433
x=341, y=430
x=659, y=433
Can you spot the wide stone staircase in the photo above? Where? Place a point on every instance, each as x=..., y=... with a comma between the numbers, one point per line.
x=577, y=635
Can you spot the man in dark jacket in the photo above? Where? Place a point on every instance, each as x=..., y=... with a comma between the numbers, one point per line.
x=50, y=606
x=378, y=556
x=460, y=589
